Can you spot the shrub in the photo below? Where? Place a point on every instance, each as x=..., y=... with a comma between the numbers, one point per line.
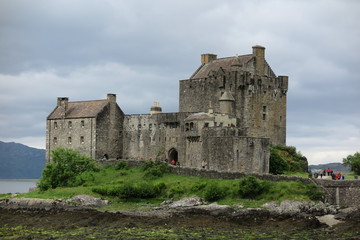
x=353, y=161
x=214, y=192
x=129, y=190
x=66, y=165
x=121, y=166
x=285, y=158
x=250, y=187
x=154, y=170
x=314, y=192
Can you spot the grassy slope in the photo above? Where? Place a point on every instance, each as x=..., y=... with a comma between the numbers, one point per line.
x=177, y=186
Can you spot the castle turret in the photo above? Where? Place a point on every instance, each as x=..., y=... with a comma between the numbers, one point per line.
x=227, y=103
x=155, y=108
x=259, y=53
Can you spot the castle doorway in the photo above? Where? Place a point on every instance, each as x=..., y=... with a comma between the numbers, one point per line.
x=173, y=155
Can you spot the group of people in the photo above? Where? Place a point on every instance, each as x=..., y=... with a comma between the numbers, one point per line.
x=330, y=172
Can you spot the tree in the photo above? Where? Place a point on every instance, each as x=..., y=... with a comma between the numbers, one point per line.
x=65, y=166
x=286, y=158
x=353, y=161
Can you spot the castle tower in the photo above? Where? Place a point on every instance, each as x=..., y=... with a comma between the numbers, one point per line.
x=227, y=103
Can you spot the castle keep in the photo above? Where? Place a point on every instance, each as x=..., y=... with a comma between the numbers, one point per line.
x=230, y=111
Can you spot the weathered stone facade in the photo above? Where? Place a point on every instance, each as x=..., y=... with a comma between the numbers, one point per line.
x=231, y=110
x=93, y=128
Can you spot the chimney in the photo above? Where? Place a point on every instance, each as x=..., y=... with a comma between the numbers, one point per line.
x=259, y=53
x=155, y=108
x=111, y=97
x=206, y=58
x=62, y=103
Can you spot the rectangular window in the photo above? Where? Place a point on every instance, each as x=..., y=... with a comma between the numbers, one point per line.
x=150, y=126
x=69, y=140
x=69, y=124
x=55, y=141
x=55, y=125
x=264, y=116
x=82, y=139
x=264, y=108
x=82, y=124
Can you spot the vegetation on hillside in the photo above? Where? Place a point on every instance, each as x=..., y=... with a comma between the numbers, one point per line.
x=353, y=161
x=71, y=174
x=286, y=159
x=18, y=161
x=67, y=168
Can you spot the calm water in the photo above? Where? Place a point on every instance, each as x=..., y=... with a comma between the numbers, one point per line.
x=16, y=186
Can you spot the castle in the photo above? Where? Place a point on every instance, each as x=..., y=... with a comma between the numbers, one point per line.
x=230, y=111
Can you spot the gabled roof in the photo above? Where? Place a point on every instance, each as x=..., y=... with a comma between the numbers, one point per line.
x=81, y=109
x=224, y=63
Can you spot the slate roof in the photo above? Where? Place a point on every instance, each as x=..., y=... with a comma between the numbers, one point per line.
x=201, y=116
x=81, y=109
x=224, y=63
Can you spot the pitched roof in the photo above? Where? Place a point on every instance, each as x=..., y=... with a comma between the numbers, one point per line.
x=81, y=109
x=224, y=63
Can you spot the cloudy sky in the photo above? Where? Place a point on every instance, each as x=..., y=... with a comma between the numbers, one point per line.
x=140, y=49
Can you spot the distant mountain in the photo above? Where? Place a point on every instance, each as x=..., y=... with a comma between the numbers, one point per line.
x=336, y=167
x=18, y=161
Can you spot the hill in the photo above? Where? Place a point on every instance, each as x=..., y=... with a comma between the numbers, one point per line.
x=18, y=161
x=336, y=167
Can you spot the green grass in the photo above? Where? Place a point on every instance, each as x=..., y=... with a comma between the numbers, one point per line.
x=173, y=187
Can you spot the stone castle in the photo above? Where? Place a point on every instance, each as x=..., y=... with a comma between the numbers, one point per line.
x=230, y=111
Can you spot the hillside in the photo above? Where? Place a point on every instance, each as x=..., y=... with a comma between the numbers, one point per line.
x=18, y=161
x=336, y=167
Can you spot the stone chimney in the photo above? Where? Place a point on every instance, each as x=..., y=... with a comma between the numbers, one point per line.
x=111, y=97
x=206, y=58
x=63, y=103
x=155, y=108
x=259, y=53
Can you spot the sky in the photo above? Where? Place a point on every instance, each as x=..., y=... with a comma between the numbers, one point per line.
x=140, y=49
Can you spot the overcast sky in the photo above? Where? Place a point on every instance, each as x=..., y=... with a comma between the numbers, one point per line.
x=140, y=49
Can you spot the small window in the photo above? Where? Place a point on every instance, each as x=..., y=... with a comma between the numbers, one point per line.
x=69, y=124
x=69, y=140
x=264, y=116
x=55, y=125
x=55, y=141
x=191, y=126
x=139, y=127
x=206, y=124
x=82, y=124
x=82, y=139
x=150, y=126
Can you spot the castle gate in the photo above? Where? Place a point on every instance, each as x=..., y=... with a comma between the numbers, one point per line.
x=173, y=154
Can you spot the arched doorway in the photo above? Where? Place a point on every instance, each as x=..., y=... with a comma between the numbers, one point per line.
x=173, y=155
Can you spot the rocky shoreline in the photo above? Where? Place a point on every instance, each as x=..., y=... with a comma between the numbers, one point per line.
x=193, y=212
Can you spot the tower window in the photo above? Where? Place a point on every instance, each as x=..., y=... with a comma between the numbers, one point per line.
x=264, y=116
x=55, y=141
x=69, y=124
x=82, y=140
x=82, y=124
x=55, y=125
x=264, y=108
x=69, y=140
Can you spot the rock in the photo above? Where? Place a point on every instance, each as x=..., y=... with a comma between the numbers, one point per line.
x=88, y=201
x=185, y=202
x=293, y=208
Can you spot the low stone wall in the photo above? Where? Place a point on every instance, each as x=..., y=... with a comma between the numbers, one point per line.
x=339, y=192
